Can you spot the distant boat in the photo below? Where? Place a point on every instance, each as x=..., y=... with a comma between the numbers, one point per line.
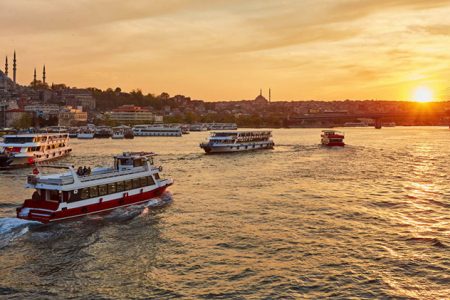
x=228, y=141
x=156, y=130
x=355, y=124
x=85, y=133
x=28, y=149
x=332, y=138
x=103, y=132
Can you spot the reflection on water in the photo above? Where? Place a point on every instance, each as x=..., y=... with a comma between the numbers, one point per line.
x=367, y=221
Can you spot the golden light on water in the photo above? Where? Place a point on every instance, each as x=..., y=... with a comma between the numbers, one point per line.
x=423, y=94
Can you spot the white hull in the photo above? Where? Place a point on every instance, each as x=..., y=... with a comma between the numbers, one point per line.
x=228, y=148
x=85, y=136
x=157, y=133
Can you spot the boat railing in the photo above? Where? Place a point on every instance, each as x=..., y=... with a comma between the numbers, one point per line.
x=111, y=173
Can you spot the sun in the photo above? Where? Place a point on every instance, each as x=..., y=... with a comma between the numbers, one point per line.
x=423, y=94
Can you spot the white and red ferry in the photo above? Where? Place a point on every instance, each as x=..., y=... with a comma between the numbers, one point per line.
x=132, y=180
x=28, y=149
x=332, y=138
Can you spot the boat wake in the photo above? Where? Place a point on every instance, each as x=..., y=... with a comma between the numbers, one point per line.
x=13, y=228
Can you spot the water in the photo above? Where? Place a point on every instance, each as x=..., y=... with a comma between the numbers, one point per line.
x=370, y=220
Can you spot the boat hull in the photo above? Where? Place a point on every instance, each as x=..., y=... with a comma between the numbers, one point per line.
x=211, y=148
x=12, y=161
x=46, y=215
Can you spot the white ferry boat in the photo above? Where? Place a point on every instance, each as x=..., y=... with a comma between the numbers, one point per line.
x=226, y=141
x=198, y=127
x=132, y=180
x=156, y=130
x=223, y=126
x=28, y=149
x=86, y=133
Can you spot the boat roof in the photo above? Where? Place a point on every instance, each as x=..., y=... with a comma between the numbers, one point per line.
x=234, y=132
x=135, y=154
x=331, y=131
x=35, y=134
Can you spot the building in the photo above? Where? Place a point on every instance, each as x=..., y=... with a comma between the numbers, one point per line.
x=69, y=116
x=43, y=110
x=79, y=97
x=131, y=114
x=13, y=116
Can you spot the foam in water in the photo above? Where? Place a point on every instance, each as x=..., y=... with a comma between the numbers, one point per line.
x=12, y=228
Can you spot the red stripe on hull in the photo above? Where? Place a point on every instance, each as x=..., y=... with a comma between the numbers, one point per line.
x=36, y=215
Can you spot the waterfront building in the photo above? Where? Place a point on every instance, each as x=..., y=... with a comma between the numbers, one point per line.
x=131, y=114
x=70, y=116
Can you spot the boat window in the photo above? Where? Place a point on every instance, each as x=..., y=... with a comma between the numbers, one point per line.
x=84, y=193
x=18, y=140
x=150, y=180
x=137, y=163
x=102, y=190
x=73, y=196
x=120, y=186
x=143, y=181
x=136, y=183
x=54, y=195
x=111, y=188
x=156, y=175
x=128, y=185
x=93, y=191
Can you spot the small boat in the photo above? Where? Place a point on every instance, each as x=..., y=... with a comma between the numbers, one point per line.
x=118, y=134
x=73, y=132
x=237, y=141
x=86, y=133
x=103, y=132
x=198, y=127
x=332, y=138
x=133, y=179
x=28, y=149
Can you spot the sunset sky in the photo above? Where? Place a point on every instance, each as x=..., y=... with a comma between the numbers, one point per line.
x=228, y=50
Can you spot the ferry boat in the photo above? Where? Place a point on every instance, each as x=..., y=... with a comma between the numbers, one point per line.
x=198, y=127
x=73, y=132
x=331, y=138
x=156, y=130
x=118, y=133
x=223, y=126
x=28, y=149
x=86, y=133
x=133, y=179
x=103, y=132
x=227, y=141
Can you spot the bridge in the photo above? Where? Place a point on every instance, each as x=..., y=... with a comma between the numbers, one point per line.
x=378, y=117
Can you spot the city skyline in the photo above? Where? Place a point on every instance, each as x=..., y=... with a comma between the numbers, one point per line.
x=228, y=50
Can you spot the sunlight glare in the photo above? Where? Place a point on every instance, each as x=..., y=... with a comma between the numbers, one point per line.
x=422, y=94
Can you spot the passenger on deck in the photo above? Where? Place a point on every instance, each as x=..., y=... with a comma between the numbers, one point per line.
x=80, y=171
x=89, y=171
x=85, y=171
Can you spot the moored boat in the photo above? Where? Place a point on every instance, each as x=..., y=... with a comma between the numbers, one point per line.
x=133, y=179
x=237, y=141
x=156, y=130
x=28, y=149
x=103, y=132
x=86, y=133
x=332, y=138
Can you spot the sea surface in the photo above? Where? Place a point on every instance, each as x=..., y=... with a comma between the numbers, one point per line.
x=371, y=220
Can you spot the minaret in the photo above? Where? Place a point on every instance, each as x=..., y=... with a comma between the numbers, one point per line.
x=260, y=92
x=34, y=77
x=43, y=75
x=14, y=67
x=270, y=95
x=6, y=66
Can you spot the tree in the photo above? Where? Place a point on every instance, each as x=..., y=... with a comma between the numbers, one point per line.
x=25, y=121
